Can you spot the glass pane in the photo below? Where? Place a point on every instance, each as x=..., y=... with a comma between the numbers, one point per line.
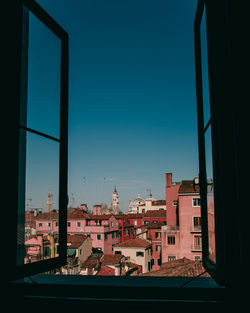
x=210, y=195
x=204, y=64
x=43, y=98
x=41, y=198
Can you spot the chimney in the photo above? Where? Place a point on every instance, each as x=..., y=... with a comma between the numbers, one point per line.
x=168, y=179
x=196, y=180
x=97, y=209
x=84, y=207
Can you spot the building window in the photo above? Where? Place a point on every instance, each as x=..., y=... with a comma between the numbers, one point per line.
x=171, y=240
x=80, y=251
x=135, y=223
x=197, y=221
x=196, y=201
x=40, y=224
x=158, y=235
x=111, y=224
x=197, y=242
x=69, y=224
x=118, y=252
x=139, y=253
x=171, y=258
x=158, y=248
x=57, y=224
x=78, y=224
x=105, y=236
x=159, y=262
x=175, y=202
x=48, y=224
x=113, y=235
x=197, y=258
x=143, y=210
x=89, y=236
x=98, y=237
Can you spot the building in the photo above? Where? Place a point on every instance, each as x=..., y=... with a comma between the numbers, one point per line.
x=138, y=251
x=180, y=268
x=114, y=206
x=135, y=204
x=181, y=237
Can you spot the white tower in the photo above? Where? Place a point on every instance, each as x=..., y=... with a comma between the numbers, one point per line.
x=115, y=201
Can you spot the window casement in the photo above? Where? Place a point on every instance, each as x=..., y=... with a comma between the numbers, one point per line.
x=98, y=237
x=196, y=202
x=35, y=133
x=78, y=224
x=171, y=240
x=140, y=254
x=171, y=258
x=196, y=221
x=158, y=248
x=158, y=235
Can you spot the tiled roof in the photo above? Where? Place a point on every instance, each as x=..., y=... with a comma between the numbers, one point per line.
x=134, y=243
x=91, y=262
x=181, y=267
x=135, y=215
x=155, y=213
x=106, y=271
x=154, y=225
x=188, y=186
x=76, y=238
x=99, y=217
x=112, y=258
x=159, y=202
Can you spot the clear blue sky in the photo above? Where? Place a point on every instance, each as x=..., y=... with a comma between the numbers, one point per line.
x=132, y=104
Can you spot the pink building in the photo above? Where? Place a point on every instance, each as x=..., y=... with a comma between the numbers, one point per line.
x=104, y=232
x=182, y=235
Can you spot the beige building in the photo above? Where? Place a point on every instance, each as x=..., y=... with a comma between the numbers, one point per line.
x=138, y=251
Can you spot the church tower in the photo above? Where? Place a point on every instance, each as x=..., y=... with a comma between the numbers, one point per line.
x=115, y=201
x=49, y=203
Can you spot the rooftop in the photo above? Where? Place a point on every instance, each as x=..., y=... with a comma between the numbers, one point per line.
x=180, y=268
x=112, y=258
x=134, y=243
x=188, y=186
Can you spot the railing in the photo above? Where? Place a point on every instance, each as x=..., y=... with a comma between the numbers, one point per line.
x=196, y=248
x=170, y=228
x=195, y=229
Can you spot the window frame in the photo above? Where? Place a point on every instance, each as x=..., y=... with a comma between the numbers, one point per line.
x=26, y=6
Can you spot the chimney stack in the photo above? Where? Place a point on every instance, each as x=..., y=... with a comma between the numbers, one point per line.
x=168, y=179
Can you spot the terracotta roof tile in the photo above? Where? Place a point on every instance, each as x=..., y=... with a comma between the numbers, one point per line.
x=188, y=186
x=155, y=213
x=136, y=242
x=106, y=271
x=112, y=258
x=181, y=267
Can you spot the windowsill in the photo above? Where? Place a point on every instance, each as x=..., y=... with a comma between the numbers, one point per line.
x=121, y=288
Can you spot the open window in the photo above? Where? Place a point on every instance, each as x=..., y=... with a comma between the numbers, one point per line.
x=41, y=135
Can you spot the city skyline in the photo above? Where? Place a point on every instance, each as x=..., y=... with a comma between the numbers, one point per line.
x=132, y=103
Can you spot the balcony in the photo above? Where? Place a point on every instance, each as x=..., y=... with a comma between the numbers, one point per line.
x=196, y=248
x=195, y=229
x=170, y=228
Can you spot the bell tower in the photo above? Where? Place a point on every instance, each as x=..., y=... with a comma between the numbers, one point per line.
x=115, y=199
